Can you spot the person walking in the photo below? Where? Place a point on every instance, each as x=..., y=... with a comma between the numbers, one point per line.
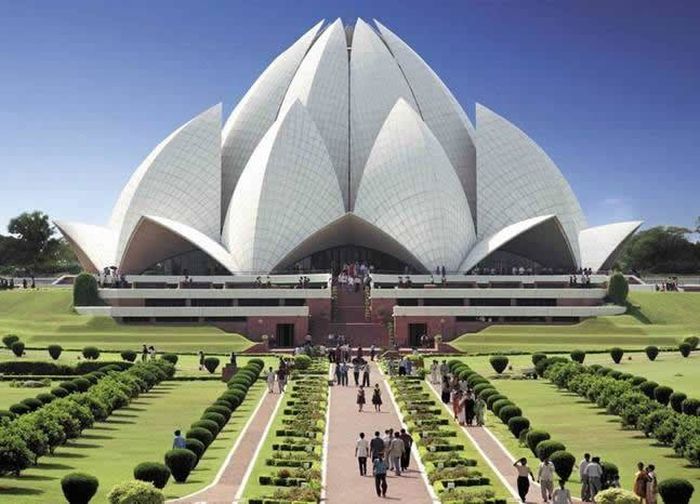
x=201, y=357
x=524, y=475
x=594, y=471
x=376, y=446
x=388, y=436
x=457, y=409
x=480, y=411
x=435, y=373
x=469, y=408
x=344, y=374
x=377, y=398
x=545, y=477
x=360, y=399
x=144, y=356
x=562, y=495
x=652, y=484
x=402, y=366
x=271, y=380
x=396, y=449
x=408, y=443
x=281, y=378
x=356, y=371
x=372, y=352
x=585, y=484
x=179, y=440
x=365, y=374
x=640, y=482
x=379, y=471
x=362, y=452
x=338, y=367
x=445, y=390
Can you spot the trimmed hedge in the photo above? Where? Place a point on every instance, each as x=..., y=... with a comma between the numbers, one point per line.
x=547, y=448
x=499, y=363
x=55, y=351
x=578, y=356
x=153, y=472
x=652, y=352
x=180, y=461
x=676, y=491
x=79, y=488
x=616, y=353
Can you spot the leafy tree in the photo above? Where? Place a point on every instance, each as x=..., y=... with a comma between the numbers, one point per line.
x=34, y=238
x=618, y=288
x=662, y=249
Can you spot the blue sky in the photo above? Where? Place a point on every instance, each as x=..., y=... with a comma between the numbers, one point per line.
x=608, y=88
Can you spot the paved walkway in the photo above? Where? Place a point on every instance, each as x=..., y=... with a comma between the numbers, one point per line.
x=223, y=490
x=343, y=482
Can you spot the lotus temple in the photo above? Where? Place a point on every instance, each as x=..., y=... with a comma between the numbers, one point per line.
x=348, y=149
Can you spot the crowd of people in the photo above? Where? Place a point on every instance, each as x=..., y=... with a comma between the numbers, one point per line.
x=278, y=378
x=669, y=285
x=585, y=278
x=354, y=276
x=9, y=284
x=468, y=409
x=390, y=452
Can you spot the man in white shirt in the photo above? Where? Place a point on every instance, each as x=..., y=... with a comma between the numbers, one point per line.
x=585, y=487
x=545, y=477
x=594, y=471
x=361, y=452
x=562, y=495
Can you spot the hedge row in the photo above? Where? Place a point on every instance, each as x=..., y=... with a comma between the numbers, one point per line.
x=638, y=402
x=181, y=461
x=34, y=368
x=26, y=438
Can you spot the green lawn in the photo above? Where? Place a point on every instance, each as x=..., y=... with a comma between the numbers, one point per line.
x=657, y=318
x=582, y=427
x=10, y=395
x=138, y=433
x=45, y=316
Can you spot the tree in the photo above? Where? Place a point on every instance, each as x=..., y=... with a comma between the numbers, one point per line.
x=618, y=289
x=662, y=249
x=34, y=238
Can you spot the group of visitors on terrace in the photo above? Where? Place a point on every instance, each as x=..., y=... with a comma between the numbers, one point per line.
x=585, y=280
x=669, y=285
x=354, y=276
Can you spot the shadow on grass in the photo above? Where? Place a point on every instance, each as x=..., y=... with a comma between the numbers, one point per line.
x=37, y=477
x=84, y=445
x=19, y=491
x=48, y=466
x=120, y=422
x=123, y=415
x=636, y=312
x=95, y=436
x=102, y=426
x=68, y=455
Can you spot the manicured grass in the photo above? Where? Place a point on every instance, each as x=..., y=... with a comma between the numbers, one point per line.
x=11, y=395
x=657, y=318
x=582, y=427
x=141, y=432
x=44, y=316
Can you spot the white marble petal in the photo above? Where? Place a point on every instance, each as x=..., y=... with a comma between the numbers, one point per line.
x=94, y=245
x=600, y=245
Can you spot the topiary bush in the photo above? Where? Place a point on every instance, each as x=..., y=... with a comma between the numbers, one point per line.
x=135, y=492
x=564, y=463
x=647, y=388
x=46, y=397
x=32, y=403
x=616, y=496
x=499, y=363
x=91, y=353
x=79, y=488
x=180, y=461
x=685, y=349
x=498, y=405
x=195, y=446
x=209, y=425
x=578, y=356
x=219, y=419
x=8, y=339
x=85, y=291
x=508, y=412
x=204, y=435
x=302, y=362
x=676, y=401
x=493, y=400
x=547, y=448
x=693, y=341
x=662, y=394
x=518, y=424
x=676, y=491
x=535, y=437
x=690, y=406
x=538, y=356
x=221, y=410
x=616, y=354
x=154, y=472
x=14, y=454
x=128, y=355
x=652, y=352
x=17, y=348
x=59, y=392
x=55, y=351
x=618, y=288
x=211, y=363
x=170, y=357
x=20, y=409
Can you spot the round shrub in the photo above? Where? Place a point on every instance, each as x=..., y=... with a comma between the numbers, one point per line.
x=616, y=496
x=55, y=351
x=547, y=448
x=217, y=418
x=493, y=399
x=32, y=403
x=211, y=363
x=221, y=410
x=616, y=354
x=603, y=371
x=501, y=404
x=82, y=384
x=499, y=363
x=662, y=394
x=685, y=349
x=231, y=401
x=508, y=412
x=135, y=492
x=537, y=357
x=17, y=348
x=69, y=386
x=486, y=393
x=693, y=341
x=129, y=356
x=153, y=472
x=195, y=446
x=6, y=414
x=652, y=352
x=637, y=380
x=481, y=386
x=614, y=374
x=542, y=366
x=20, y=409
x=535, y=437
x=170, y=357
x=91, y=353
x=205, y=436
x=234, y=394
x=85, y=291
x=578, y=356
x=302, y=362
x=647, y=388
x=676, y=401
x=239, y=387
x=79, y=488
x=180, y=461
x=224, y=403
x=209, y=425
x=618, y=288
x=8, y=339
x=465, y=373
x=564, y=463
x=517, y=425
x=690, y=406
x=676, y=491
x=59, y=392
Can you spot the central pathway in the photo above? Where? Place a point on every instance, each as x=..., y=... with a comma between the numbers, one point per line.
x=343, y=482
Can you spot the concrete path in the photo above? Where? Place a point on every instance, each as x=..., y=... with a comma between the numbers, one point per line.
x=343, y=481
x=230, y=476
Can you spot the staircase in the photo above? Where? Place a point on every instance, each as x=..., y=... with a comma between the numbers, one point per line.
x=349, y=320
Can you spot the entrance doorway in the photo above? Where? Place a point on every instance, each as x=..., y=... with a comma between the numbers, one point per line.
x=415, y=331
x=285, y=335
